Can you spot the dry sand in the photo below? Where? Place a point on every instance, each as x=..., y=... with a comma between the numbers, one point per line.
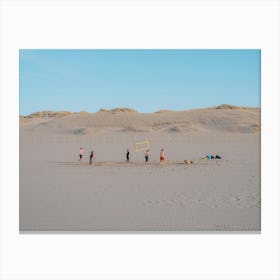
x=57, y=192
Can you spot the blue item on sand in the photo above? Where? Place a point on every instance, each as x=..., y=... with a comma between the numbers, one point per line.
x=209, y=157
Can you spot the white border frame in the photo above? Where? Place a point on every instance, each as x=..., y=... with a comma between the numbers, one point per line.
x=140, y=24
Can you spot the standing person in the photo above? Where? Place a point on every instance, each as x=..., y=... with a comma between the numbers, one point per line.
x=127, y=155
x=162, y=155
x=147, y=155
x=81, y=153
x=91, y=157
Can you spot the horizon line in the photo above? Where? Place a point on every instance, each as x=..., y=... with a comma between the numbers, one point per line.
x=131, y=110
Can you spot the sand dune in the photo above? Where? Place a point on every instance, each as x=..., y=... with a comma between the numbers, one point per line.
x=222, y=118
x=59, y=192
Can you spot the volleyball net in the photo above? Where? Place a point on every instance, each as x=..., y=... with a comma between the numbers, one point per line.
x=142, y=146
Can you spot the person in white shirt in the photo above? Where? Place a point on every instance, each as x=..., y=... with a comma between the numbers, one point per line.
x=81, y=153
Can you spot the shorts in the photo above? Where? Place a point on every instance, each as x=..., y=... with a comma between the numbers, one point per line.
x=161, y=158
x=81, y=156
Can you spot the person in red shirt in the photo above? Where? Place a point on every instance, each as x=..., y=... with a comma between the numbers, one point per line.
x=162, y=155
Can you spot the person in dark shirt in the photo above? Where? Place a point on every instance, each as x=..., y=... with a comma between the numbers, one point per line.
x=147, y=153
x=127, y=155
x=91, y=157
x=209, y=157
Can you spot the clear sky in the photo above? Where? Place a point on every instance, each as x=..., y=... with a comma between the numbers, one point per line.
x=145, y=80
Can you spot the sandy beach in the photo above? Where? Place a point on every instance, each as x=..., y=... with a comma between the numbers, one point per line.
x=58, y=192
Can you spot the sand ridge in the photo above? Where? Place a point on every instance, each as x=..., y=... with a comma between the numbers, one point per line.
x=223, y=118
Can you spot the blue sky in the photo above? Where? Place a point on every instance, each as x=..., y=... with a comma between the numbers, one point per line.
x=145, y=80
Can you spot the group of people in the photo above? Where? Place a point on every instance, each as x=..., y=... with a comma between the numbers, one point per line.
x=147, y=154
x=91, y=155
x=209, y=157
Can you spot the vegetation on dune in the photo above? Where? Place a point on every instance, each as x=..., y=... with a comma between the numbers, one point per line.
x=231, y=107
x=134, y=129
x=118, y=110
x=48, y=114
x=164, y=111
